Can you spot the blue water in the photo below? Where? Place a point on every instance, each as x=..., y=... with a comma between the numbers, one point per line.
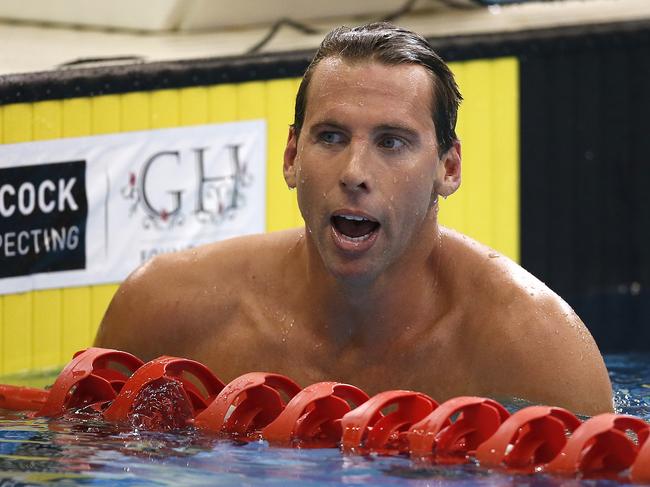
x=76, y=452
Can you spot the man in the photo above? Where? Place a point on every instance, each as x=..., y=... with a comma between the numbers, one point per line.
x=372, y=291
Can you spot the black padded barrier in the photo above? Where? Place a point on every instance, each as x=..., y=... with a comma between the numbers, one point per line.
x=585, y=172
x=77, y=82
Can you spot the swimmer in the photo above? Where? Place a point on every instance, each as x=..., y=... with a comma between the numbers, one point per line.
x=372, y=291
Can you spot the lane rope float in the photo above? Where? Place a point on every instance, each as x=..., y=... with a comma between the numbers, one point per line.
x=169, y=393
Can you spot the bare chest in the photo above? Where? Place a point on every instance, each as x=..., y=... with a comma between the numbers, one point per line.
x=275, y=339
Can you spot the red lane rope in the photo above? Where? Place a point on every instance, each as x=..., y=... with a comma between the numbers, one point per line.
x=171, y=392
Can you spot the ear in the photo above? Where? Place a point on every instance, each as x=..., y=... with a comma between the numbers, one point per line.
x=290, y=152
x=448, y=173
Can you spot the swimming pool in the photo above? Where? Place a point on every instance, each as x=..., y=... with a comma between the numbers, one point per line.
x=80, y=452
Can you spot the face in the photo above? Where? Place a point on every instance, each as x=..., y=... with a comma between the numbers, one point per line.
x=366, y=165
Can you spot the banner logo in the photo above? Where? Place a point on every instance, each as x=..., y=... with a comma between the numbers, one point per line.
x=217, y=196
x=43, y=213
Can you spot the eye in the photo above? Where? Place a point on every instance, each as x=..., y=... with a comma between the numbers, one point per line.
x=330, y=137
x=392, y=143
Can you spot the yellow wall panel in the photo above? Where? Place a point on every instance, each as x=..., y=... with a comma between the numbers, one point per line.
x=77, y=122
x=76, y=117
x=107, y=117
x=165, y=109
x=105, y=114
x=17, y=308
x=48, y=329
x=135, y=111
x=17, y=123
x=194, y=105
x=504, y=134
x=251, y=100
x=100, y=298
x=46, y=305
x=1, y=297
x=17, y=333
x=486, y=207
x=48, y=120
x=222, y=103
x=452, y=210
x=477, y=152
x=2, y=329
x=281, y=205
x=76, y=321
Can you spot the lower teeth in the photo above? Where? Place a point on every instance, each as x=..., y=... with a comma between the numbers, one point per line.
x=357, y=239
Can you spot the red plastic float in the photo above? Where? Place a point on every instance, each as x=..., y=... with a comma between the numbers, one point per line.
x=247, y=404
x=165, y=393
x=528, y=439
x=447, y=442
x=313, y=417
x=600, y=447
x=18, y=398
x=365, y=429
x=92, y=377
x=172, y=392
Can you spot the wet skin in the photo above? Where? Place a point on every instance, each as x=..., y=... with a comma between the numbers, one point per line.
x=372, y=291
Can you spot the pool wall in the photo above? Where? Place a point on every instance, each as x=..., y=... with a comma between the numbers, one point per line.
x=41, y=329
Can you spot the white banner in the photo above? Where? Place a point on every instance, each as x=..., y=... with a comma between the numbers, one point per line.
x=90, y=210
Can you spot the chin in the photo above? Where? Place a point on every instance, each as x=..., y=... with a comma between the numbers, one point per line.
x=353, y=275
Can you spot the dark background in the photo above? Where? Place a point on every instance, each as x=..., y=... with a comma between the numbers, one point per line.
x=585, y=172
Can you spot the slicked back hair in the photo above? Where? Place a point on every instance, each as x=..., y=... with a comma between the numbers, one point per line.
x=390, y=45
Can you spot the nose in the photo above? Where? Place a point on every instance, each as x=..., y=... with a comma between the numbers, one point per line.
x=354, y=174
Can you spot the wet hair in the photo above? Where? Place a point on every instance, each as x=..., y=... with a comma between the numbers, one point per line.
x=390, y=45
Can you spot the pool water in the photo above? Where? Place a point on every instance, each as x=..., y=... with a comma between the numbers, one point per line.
x=88, y=452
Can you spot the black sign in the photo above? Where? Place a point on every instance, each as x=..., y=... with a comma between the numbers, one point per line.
x=43, y=214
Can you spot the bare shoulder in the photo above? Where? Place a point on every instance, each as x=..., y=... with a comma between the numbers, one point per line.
x=528, y=341
x=170, y=301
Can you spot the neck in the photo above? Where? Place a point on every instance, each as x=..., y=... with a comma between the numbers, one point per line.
x=405, y=295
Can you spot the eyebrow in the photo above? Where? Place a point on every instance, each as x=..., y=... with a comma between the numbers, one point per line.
x=327, y=124
x=397, y=127
x=387, y=127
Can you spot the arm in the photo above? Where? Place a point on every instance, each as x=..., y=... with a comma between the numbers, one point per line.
x=135, y=319
x=550, y=357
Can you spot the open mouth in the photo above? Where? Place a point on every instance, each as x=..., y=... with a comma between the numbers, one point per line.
x=354, y=227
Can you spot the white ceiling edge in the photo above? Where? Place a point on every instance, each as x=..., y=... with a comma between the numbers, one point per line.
x=31, y=48
x=188, y=15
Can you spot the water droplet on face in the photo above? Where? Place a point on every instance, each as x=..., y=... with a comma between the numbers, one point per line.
x=493, y=255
